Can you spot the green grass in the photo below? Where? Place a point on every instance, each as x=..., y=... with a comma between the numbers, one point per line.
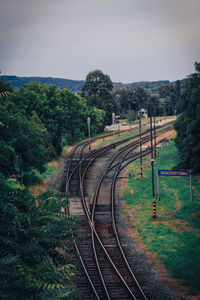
x=174, y=235
x=117, y=138
x=123, y=135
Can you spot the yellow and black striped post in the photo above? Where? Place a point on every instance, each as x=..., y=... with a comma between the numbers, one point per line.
x=141, y=172
x=154, y=208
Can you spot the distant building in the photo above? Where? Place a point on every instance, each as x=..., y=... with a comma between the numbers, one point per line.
x=144, y=113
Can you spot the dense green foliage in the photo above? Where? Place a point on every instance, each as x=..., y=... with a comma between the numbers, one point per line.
x=165, y=102
x=17, y=82
x=37, y=121
x=188, y=124
x=128, y=101
x=5, y=88
x=169, y=97
x=24, y=142
x=33, y=233
x=97, y=83
x=150, y=85
x=97, y=89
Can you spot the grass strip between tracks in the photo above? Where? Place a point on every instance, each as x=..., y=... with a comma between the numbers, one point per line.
x=174, y=236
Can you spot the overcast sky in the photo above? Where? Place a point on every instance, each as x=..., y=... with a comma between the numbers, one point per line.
x=130, y=40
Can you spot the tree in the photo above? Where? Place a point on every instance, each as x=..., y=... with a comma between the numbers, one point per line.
x=5, y=88
x=140, y=96
x=25, y=143
x=123, y=101
x=97, y=83
x=169, y=95
x=131, y=115
x=36, y=122
x=155, y=104
x=97, y=89
x=63, y=113
x=32, y=236
x=178, y=95
x=188, y=124
x=128, y=100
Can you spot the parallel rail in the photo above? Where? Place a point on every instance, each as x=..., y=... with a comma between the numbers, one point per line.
x=105, y=262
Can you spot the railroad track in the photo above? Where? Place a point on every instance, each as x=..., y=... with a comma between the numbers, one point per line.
x=105, y=271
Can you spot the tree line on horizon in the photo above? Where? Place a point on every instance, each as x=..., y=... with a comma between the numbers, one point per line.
x=75, y=86
x=35, y=123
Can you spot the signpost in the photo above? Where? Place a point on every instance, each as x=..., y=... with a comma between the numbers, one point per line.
x=174, y=173
x=113, y=121
x=88, y=122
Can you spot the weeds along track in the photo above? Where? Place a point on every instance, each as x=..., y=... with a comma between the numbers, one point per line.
x=104, y=270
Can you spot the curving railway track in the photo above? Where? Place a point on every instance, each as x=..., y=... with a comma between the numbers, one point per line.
x=104, y=268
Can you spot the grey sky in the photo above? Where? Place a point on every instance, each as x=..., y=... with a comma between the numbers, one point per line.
x=130, y=40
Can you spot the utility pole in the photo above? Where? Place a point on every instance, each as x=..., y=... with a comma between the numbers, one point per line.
x=113, y=121
x=152, y=164
x=148, y=116
x=154, y=117
x=118, y=123
x=88, y=122
x=141, y=169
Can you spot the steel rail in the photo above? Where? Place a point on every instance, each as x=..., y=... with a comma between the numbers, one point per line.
x=68, y=179
x=86, y=143
x=145, y=152
x=97, y=189
x=157, y=134
x=88, y=217
x=100, y=242
x=118, y=242
x=92, y=231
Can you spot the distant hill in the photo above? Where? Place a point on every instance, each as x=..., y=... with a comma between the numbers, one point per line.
x=152, y=85
x=76, y=85
x=17, y=82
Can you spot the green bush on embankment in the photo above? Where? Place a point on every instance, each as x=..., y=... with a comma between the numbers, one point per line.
x=174, y=235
